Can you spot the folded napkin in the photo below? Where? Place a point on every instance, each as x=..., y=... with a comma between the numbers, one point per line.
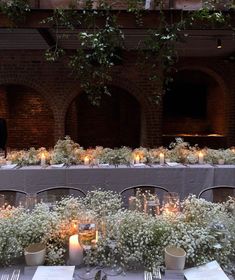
x=139, y=165
x=8, y=166
x=172, y=164
x=57, y=165
x=103, y=164
x=209, y=271
x=54, y=273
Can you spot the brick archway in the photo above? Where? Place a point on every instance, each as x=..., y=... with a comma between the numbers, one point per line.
x=115, y=123
x=195, y=108
x=150, y=134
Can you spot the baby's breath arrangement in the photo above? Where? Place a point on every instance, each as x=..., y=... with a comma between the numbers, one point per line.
x=103, y=203
x=116, y=156
x=66, y=151
x=204, y=229
x=29, y=157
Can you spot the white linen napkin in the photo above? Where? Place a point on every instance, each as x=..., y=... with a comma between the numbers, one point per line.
x=209, y=271
x=8, y=166
x=57, y=165
x=54, y=273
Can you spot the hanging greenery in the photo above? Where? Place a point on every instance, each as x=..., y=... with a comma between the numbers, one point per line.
x=16, y=10
x=100, y=44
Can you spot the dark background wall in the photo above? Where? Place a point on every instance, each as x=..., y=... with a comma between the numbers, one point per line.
x=42, y=102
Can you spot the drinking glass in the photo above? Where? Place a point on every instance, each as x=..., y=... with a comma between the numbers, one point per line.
x=49, y=199
x=29, y=201
x=152, y=206
x=171, y=203
x=87, y=237
x=112, y=232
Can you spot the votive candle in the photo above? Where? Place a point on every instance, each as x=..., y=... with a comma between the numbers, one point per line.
x=200, y=158
x=137, y=159
x=86, y=160
x=43, y=159
x=162, y=158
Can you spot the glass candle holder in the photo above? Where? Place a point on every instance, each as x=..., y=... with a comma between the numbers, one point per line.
x=171, y=203
x=152, y=206
x=136, y=203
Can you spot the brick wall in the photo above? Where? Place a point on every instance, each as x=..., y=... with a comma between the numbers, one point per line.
x=29, y=121
x=53, y=90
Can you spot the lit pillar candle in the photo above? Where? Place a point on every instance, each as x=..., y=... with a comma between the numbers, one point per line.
x=161, y=158
x=200, y=158
x=43, y=159
x=86, y=160
x=75, y=250
x=137, y=159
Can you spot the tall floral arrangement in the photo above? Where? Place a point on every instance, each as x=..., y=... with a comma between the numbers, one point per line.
x=66, y=151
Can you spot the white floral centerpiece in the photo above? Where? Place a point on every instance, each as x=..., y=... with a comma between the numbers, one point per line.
x=29, y=157
x=116, y=156
x=66, y=151
x=204, y=229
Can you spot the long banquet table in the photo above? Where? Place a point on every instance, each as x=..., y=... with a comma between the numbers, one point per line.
x=27, y=273
x=182, y=179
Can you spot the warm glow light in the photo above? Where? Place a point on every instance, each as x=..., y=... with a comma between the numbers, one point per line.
x=74, y=227
x=162, y=158
x=200, y=158
x=43, y=159
x=86, y=160
x=137, y=159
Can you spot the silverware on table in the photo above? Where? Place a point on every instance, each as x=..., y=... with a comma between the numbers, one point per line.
x=157, y=273
x=15, y=274
x=5, y=276
x=148, y=275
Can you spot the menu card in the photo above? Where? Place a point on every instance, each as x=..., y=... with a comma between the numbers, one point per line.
x=54, y=273
x=209, y=271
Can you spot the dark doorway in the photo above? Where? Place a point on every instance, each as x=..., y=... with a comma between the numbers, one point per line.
x=115, y=123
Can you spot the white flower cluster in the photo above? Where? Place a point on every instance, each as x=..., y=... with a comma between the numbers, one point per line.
x=68, y=152
x=204, y=229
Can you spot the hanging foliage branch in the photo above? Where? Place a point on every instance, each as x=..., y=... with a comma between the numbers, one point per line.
x=158, y=52
x=99, y=46
x=93, y=62
x=16, y=10
x=159, y=55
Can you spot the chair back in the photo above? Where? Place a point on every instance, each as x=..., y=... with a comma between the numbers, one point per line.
x=12, y=197
x=131, y=191
x=217, y=193
x=53, y=194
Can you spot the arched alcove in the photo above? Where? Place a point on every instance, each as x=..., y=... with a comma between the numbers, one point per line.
x=115, y=123
x=30, y=121
x=194, y=108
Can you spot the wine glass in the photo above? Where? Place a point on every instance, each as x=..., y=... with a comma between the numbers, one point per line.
x=171, y=203
x=29, y=201
x=114, y=269
x=87, y=237
x=152, y=206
